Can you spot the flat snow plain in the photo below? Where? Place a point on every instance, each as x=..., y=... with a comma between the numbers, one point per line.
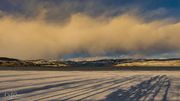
x=89, y=85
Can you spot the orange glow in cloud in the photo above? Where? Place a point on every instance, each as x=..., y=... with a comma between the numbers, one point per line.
x=39, y=39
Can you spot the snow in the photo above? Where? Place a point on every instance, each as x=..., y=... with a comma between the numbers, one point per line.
x=90, y=85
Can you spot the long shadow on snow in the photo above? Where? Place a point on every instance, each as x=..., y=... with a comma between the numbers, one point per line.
x=70, y=86
x=146, y=90
x=99, y=88
x=41, y=78
x=48, y=86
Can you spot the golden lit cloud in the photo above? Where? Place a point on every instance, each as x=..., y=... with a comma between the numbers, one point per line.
x=40, y=39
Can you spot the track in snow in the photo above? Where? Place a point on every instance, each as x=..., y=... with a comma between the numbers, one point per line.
x=90, y=86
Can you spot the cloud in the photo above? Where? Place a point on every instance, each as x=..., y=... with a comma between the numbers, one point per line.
x=31, y=39
x=62, y=10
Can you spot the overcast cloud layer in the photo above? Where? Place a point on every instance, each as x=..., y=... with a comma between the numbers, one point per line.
x=37, y=29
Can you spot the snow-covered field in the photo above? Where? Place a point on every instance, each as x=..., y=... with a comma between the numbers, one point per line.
x=90, y=85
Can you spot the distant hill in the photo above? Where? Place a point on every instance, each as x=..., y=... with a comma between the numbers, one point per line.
x=8, y=59
x=104, y=63
x=11, y=62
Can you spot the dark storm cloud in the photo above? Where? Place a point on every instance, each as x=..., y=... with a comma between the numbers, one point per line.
x=59, y=10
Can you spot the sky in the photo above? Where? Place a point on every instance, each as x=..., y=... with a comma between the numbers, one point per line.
x=54, y=29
